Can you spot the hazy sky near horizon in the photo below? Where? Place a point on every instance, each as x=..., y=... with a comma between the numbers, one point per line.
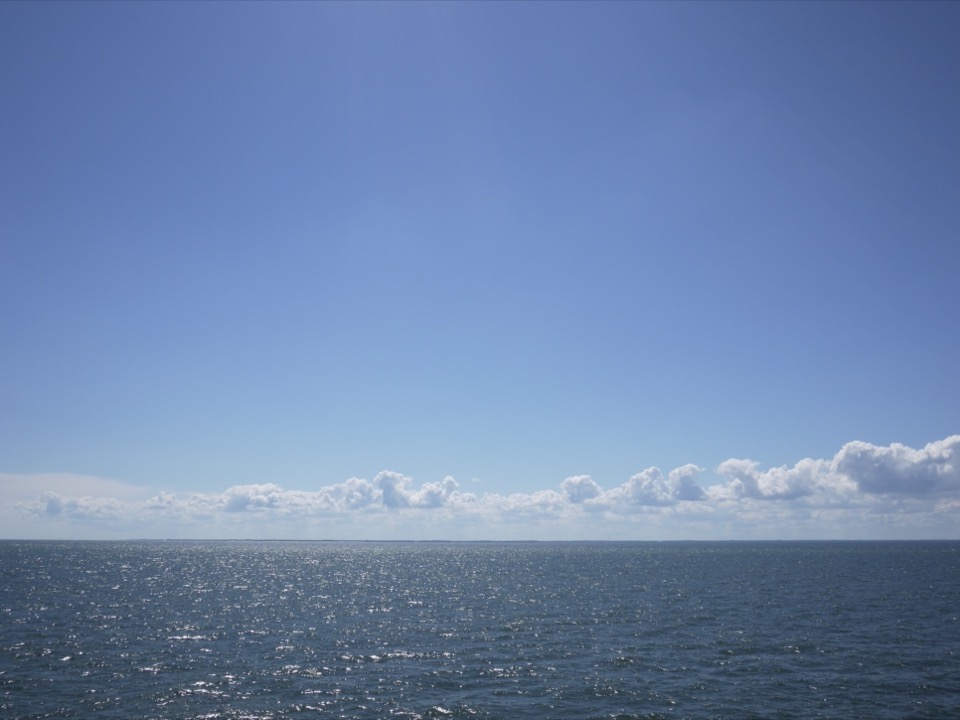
x=518, y=270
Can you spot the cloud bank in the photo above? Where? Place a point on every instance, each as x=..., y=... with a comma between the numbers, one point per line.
x=863, y=491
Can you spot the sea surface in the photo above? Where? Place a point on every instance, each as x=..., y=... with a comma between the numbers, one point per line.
x=271, y=630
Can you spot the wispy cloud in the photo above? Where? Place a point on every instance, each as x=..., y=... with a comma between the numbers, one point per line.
x=875, y=491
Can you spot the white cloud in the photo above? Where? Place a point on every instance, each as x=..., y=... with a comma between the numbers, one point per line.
x=52, y=504
x=246, y=497
x=650, y=488
x=863, y=491
x=898, y=469
x=807, y=477
x=580, y=488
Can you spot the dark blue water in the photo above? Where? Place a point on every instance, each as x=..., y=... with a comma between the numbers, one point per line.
x=484, y=630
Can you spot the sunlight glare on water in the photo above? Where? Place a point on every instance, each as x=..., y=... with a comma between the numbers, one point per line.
x=482, y=630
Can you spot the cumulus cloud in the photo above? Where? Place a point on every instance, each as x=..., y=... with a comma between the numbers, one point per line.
x=396, y=491
x=858, y=468
x=650, y=487
x=863, y=486
x=807, y=477
x=244, y=497
x=580, y=488
x=901, y=470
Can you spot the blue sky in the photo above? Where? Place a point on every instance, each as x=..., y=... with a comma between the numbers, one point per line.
x=488, y=269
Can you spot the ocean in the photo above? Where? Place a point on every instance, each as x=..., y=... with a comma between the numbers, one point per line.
x=273, y=630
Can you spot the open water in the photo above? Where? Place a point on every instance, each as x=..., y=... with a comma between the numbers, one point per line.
x=277, y=630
